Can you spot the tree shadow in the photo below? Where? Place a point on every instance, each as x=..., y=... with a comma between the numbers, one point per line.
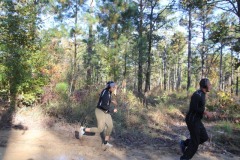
x=6, y=125
x=6, y=115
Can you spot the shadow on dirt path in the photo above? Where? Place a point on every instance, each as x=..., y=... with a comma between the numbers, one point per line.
x=6, y=126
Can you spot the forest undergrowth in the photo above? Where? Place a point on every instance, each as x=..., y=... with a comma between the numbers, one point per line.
x=155, y=119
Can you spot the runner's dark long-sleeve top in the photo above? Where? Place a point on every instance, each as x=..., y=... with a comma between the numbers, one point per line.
x=197, y=105
x=105, y=101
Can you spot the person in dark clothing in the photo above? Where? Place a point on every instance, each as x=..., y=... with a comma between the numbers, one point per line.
x=198, y=134
x=103, y=114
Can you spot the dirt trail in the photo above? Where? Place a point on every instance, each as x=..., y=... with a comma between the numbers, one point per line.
x=35, y=136
x=41, y=144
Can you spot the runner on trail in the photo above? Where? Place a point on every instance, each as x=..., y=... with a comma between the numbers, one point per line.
x=198, y=134
x=103, y=114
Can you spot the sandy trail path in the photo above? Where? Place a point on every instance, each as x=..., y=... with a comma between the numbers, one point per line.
x=43, y=144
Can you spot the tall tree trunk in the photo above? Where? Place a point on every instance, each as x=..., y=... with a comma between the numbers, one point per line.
x=160, y=78
x=238, y=14
x=189, y=48
x=13, y=94
x=135, y=73
x=237, y=86
x=148, y=73
x=175, y=77
x=135, y=62
x=220, y=69
x=125, y=65
x=97, y=74
x=203, y=49
x=232, y=71
x=169, y=81
x=140, y=47
x=223, y=77
x=74, y=76
x=178, y=73
x=115, y=67
x=238, y=11
x=90, y=52
x=164, y=70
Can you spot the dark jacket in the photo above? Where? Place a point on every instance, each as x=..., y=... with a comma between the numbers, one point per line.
x=197, y=106
x=105, y=101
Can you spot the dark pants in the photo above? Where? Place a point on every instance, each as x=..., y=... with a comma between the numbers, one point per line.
x=198, y=135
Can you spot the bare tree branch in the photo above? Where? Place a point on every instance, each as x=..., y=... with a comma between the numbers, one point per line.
x=234, y=7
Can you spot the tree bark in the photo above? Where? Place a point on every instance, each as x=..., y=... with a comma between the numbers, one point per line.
x=232, y=71
x=203, y=51
x=125, y=65
x=220, y=69
x=90, y=52
x=115, y=67
x=238, y=10
x=189, y=47
x=73, y=76
x=237, y=86
x=169, y=82
x=164, y=70
x=148, y=73
x=178, y=73
x=140, y=47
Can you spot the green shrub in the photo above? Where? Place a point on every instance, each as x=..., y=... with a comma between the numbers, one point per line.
x=61, y=88
x=164, y=98
x=191, y=90
x=225, y=98
x=29, y=99
x=225, y=126
x=4, y=94
x=181, y=95
x=172, y=109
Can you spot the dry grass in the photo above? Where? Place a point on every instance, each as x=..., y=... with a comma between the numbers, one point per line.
x=164, y=119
